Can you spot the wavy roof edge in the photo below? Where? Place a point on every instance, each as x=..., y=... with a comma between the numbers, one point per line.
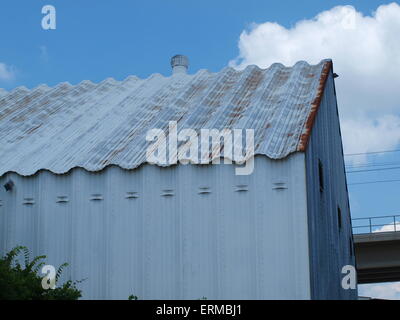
x=153, y=75
x=136, y=166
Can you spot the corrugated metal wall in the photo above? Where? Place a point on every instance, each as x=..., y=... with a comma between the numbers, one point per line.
x=330, y=246
x=168, y=233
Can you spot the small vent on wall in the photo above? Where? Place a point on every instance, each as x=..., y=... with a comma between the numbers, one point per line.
x=28, y=201
x=241, y=188
x=204, y=190
x=62, y=199
x=280, y=185
x=167, y=193
x=96, y=197
x=131, y=195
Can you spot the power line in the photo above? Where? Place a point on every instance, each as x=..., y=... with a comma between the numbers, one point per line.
x=369, y=182
x=369, y=170
x=373, y=152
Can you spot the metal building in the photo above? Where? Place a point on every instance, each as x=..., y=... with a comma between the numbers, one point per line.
x=81, y=191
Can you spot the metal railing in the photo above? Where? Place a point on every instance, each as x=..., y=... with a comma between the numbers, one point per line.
x=376, y=224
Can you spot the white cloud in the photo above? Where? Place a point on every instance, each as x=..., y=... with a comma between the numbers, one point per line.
x=366, y=54
x=389, y=291
x=369, y=133
x=389, y=227
x=7, y=73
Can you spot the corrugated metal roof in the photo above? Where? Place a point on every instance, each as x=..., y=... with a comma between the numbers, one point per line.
x=94, y=125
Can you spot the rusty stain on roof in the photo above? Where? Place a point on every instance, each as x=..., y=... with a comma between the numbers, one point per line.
x=92, y=125
x=314, y=107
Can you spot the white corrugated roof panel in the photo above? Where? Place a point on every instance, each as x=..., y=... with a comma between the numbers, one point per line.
x=94, y=125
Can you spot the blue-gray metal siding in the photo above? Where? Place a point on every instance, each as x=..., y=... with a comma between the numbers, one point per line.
x=181, y=232
x=329, y=247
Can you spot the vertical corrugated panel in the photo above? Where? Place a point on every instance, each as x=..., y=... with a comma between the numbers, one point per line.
x=329, y=246
x=180, y=232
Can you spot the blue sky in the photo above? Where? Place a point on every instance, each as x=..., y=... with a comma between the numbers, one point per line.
x=96, y=39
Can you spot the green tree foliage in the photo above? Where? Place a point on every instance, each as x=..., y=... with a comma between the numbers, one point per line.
x=19, y=282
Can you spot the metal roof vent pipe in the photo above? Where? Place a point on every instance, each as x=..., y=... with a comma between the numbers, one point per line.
x=179, y=64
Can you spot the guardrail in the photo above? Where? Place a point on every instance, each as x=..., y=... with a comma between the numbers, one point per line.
x=376, y=224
